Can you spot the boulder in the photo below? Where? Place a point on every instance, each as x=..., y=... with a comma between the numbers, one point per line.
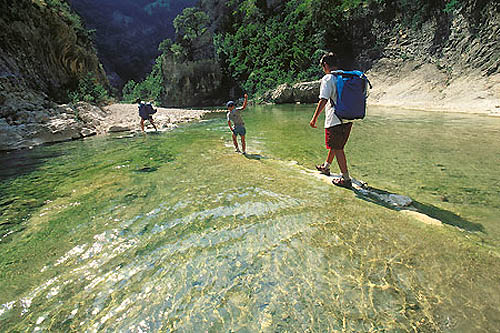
x=85, y=132
x=306, y=92
x=302, y=92
x=89, y=113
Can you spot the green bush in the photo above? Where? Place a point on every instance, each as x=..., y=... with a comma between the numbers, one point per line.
x=262, y=51
x=451, y=6
x=89, y=90
x=152, y=88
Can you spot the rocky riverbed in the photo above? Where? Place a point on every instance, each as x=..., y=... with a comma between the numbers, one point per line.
x=75, y=121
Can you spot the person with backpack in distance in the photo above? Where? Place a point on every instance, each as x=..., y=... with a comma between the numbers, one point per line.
x=234, y=116
x=146, y=111
x=343, y=96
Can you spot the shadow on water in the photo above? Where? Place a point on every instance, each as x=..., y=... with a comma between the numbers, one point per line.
x=374, y=195
x=256, y=157
x=20, y=162
x=146, y=169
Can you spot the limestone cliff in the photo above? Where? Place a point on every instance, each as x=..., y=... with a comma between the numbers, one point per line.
x=444, y=60
x=44, y=52
x=127, y=33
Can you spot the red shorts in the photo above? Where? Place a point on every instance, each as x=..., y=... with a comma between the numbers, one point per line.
x=336, y=136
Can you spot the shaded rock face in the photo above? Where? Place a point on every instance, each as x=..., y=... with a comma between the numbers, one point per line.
x=462, y=41
x=42, y=51
x=128, y=33
x=193, y=83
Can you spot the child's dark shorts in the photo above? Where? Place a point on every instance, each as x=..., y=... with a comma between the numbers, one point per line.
x=336, y=136
x=239, y=130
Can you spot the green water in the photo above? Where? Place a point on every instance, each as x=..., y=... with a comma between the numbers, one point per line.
x=176, y=232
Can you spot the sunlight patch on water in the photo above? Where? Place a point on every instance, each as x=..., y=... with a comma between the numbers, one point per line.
x=90, y=263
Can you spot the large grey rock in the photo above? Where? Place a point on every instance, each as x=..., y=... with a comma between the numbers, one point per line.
x=282, y=94
x=306, y=92
x=32, y=126
x=89, y=113
x=303, y=92
x=86, y=132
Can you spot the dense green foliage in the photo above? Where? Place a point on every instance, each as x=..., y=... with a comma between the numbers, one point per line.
x=190, y=26
x=89, y=90
x=261, y=45
x=264, y=50
x=149, y=89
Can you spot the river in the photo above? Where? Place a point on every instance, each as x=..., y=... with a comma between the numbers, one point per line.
x=176, y=232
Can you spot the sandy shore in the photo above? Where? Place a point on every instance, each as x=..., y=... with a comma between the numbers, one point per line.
x=125, y=117
x=413, y=86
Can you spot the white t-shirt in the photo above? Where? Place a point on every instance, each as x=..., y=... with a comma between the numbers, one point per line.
x=328, y=91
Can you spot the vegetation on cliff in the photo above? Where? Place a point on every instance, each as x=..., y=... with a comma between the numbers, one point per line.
x=127, y=33
x=263, y=44
x=45, y=50
x=187, y=72
x=260, y=44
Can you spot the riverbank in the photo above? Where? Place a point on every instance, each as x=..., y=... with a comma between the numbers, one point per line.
x=415, y=86
x=124, y=117
x=76, y=121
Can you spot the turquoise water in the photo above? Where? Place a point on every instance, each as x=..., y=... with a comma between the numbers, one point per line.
x=176, y=232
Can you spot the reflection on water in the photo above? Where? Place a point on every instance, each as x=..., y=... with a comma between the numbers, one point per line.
x=176, y=232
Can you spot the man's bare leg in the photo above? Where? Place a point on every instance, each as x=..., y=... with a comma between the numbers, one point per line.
x=152, y=123
x=331, y=155
x=342, y=162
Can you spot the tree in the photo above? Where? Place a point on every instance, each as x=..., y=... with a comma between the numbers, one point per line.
x=191, y=23
x=165, y=46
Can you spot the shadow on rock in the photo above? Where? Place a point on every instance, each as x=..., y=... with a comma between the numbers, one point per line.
x=400, y=202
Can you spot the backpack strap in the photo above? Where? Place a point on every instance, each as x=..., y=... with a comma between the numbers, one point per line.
x=337, y=74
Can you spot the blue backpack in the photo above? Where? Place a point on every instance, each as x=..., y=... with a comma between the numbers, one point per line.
x=352, y=92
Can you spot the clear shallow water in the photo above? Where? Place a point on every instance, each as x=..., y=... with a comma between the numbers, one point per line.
x=175, y=232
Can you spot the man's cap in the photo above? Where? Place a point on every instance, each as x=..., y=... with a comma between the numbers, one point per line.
x=230, y=103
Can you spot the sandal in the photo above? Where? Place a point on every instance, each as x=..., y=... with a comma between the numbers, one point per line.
x=323, y=170
x=342, y=182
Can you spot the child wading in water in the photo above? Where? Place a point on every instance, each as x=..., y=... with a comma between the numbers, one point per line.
x=336, y=131
x=234, y=116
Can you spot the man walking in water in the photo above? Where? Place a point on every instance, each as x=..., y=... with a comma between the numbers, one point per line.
x=336, y=132
x=146, y=111
x=234, y=116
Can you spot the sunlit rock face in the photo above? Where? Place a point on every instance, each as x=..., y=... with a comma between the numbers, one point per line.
x=127, y=33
